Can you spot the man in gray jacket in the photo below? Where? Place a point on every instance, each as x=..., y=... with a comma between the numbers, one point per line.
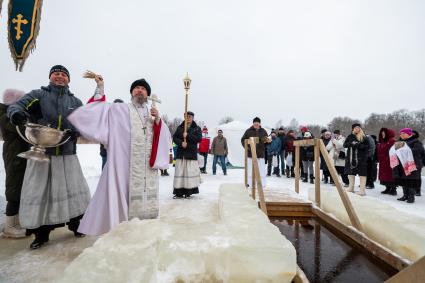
x=219, y=150
x=55, y=192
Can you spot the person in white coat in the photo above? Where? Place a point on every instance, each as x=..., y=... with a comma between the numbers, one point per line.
x=337, y=154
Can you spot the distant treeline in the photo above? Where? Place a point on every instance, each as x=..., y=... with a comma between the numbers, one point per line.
x=396, y=120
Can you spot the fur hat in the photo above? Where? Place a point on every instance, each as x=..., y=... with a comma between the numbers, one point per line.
x=10, y=96
x=59, y=68
x=256, y=119
x=143, y=83
x=355, y=125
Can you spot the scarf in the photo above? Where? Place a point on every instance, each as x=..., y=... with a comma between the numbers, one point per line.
x=404, y=156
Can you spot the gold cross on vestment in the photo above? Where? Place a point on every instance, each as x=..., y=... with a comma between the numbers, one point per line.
x=19, y=21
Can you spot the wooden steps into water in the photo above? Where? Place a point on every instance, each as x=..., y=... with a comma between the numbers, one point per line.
x=282, y=202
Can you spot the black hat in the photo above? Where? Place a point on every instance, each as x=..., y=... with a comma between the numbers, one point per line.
x=118, y=100
x=337, y=132
x=59, y=68
x=256, y=119
x=143, y=83
x=191, y=113
x=355, y=125
x=323, y=131
x=281, y=128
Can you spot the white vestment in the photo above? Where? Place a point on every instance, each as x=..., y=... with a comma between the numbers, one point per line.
x=128, y=186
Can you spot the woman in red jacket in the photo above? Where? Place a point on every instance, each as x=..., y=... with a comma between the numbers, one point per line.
x=386, y=141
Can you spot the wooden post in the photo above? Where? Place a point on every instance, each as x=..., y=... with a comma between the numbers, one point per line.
x=297, y=169
x=246, y=163
x=342, y=193
x=257, y=174
x=317, y=171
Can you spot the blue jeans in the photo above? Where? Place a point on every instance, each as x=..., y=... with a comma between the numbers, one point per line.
x=222, y=163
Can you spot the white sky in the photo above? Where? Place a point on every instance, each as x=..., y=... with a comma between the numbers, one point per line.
x=278, y=59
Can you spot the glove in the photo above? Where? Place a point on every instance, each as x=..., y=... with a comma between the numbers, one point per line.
x=19, y=118
x=354, y=144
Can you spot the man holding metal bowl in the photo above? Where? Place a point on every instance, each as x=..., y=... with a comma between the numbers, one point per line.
x=54, y=191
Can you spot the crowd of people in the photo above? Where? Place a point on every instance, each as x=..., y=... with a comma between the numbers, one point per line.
x=400, y=160
x=135, y=145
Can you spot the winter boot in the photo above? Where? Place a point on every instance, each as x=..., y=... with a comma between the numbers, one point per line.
x=165, y=173
x=386, y=191
x=73, y=225
x=351, y=179
x=362, y=191
x=325, y=179
x=411, y=195
x=418, y=192
x=393, y=191
x=41, y=237
x=404, y=197
x=288, y=173
x=304, y=178
x=12, y=228
x=311, y=179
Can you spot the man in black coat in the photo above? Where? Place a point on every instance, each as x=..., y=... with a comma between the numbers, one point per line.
x=187, y=174
x=256, y=131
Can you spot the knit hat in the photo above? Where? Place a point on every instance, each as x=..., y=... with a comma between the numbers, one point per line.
x=407, y=131
x=355, y=125
x=10, y=96
x=337, y=132
x=256, y=119
x=59, y=68
x=118, y=100
x=143, y=83
x=303, y=129
x=205, y=129
x=191, y=113
x=323, y=131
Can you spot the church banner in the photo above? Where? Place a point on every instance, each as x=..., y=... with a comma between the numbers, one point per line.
x=23, y=28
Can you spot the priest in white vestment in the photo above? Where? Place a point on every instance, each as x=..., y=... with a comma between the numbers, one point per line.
x=137, y=147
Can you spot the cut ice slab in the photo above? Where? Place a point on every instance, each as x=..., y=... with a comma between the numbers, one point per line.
x=240, y=246
x=399, y=231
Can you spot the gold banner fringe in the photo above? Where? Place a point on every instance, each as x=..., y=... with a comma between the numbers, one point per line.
x=19, y=63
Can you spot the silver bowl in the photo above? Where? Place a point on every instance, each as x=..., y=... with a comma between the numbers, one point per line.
x=41, y=137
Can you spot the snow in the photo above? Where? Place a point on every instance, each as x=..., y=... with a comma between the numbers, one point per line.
x=19, y=264
x=233, y=133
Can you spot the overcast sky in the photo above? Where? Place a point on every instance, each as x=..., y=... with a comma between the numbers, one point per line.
x=308, y=59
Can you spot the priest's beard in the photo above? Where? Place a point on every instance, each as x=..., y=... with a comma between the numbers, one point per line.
x=138, y=100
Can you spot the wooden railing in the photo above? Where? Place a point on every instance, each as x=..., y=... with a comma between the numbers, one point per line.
x=256, y=183
x=319, y=147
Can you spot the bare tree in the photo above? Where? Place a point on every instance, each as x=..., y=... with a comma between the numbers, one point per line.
x=293, y=125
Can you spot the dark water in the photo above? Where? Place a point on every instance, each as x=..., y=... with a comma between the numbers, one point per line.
x=326, y=258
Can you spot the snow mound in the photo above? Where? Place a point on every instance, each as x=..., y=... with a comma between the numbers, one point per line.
x=400, y=232
x=240, y=246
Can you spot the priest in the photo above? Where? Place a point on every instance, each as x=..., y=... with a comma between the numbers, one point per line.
x=137, y=146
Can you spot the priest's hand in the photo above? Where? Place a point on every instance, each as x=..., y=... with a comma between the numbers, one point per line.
x=184, y=144
x=99, y=81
